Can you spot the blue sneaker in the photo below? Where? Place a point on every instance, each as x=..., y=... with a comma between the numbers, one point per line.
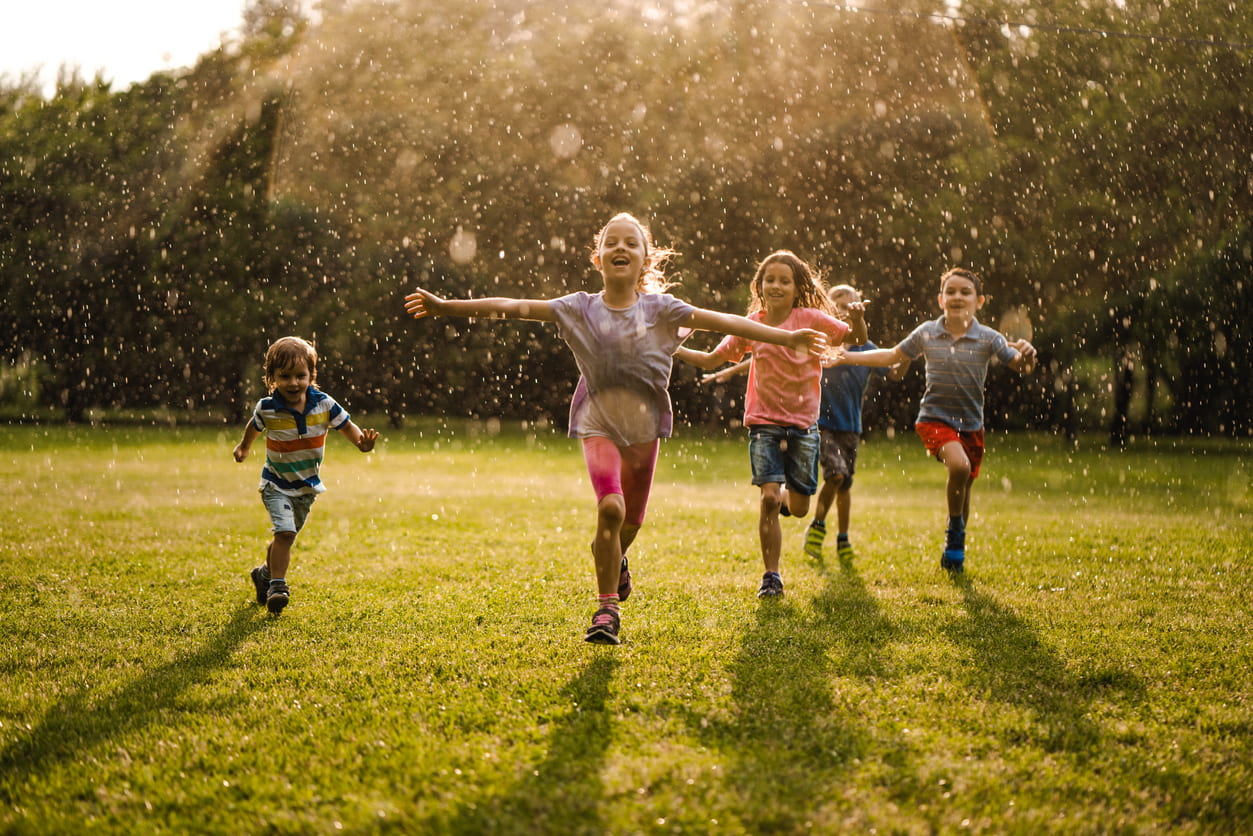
x=953, y=560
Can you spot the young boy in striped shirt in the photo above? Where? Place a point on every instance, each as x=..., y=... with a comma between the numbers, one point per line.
x=295, y=418
x=957, y=351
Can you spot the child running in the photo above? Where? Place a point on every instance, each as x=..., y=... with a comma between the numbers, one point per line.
x=623, y=339
x=295, y=418
x=781, y=405
x=957, y=350
x=839, y=426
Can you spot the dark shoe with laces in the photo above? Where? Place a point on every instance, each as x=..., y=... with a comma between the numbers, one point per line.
x=261, y=580
x=277, y=596
x=604, y=629
x=771, y=585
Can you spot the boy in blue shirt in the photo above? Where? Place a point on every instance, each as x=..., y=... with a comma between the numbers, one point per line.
x=957, y=350
x=839, y=425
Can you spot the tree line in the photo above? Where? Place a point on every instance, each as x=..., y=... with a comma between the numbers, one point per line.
x=304, y=176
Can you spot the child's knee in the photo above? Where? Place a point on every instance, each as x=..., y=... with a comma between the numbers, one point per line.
x=771, y=499
x=611, y=511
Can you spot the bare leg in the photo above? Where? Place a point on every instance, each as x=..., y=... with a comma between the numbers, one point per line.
x=278, y=556
x=843, y=509
x=957, y=491
x=827, y=498
x=607, y=547
x=768, y=526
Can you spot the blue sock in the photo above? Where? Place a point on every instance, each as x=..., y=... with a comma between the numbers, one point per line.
x=956, y=535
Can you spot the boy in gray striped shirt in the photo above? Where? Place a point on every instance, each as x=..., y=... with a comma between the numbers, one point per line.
x=957, y=350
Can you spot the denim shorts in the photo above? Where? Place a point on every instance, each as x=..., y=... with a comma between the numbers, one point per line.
x=287, y=513
x=787, y=455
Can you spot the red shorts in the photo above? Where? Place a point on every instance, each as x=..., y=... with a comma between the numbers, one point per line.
x=622, y=470
x=935, y=434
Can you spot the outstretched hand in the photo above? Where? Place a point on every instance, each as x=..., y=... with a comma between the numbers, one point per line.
x=366, y=443
x=811, y=341
x=422, y=303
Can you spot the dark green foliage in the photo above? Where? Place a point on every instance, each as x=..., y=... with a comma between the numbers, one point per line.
x=301, y=180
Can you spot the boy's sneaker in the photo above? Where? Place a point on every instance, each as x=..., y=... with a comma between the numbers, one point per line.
x=953, y=560
x=814, y=535
x=771, y=585
x=604, y=629
x=844, y=549
x=277, y=596
x=624, y=581
x=261, y=580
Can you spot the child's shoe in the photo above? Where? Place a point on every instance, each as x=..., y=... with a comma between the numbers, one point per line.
x=277, y=596
x=261, y=580
x=844, y=549
x=771, y=585
x=814, y=535
x=624, y=581
x=604, y=629
x=953, y=560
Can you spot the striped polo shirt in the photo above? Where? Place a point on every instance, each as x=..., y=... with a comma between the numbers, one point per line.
x=956, y=370
x=294, y=441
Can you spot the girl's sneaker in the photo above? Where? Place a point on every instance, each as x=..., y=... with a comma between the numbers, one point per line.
x=624, y=581
x=604, y=629
x=771, y=585
x=953, y=560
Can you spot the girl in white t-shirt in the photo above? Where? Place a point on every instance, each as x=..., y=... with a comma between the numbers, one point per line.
x=623, y=338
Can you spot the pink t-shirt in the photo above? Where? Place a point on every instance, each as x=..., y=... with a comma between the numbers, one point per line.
x=784, y=386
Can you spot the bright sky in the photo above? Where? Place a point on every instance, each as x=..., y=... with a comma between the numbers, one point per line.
x=128, y=39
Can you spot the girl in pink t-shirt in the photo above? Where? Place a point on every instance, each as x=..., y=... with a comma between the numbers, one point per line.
x=784, y=393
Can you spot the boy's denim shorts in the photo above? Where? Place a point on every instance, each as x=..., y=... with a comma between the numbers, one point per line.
x=287, y=513
x=787, y=455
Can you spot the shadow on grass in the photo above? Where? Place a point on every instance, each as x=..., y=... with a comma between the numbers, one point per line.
x=1010, y=663
x=82, y=721
x=563, y=792
x=790, y=741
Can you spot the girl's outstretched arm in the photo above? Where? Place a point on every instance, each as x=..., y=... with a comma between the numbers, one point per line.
x=804, y=339
x=706, y=360
x=422, y=303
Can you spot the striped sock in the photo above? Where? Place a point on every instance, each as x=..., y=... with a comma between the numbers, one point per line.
x=607, y=602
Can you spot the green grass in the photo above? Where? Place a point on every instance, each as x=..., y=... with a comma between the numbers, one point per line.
x=1089, y=674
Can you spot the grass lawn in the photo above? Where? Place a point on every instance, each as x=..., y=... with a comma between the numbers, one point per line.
x=1090, y=672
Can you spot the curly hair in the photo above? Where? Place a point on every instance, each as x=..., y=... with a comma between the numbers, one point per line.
x=811, y=289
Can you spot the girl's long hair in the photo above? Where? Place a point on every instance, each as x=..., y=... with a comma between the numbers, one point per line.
x=653, y=272
x=811, y=289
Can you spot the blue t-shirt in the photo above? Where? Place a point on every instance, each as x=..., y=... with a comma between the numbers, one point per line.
x=956, y=371
x=624, y=358
x=843, y=389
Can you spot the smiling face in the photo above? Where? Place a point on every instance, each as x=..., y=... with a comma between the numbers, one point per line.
x=778, y=289
x=959, y=298
x=621, y=252
x=293, y=381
